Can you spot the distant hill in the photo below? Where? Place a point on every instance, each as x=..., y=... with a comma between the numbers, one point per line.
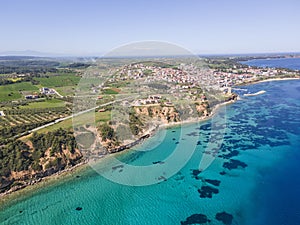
x=46, y=54
x=27, y=53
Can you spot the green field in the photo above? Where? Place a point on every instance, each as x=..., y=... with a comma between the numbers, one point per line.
x=66, y=90
x=58, y=81
x=110, y=92
x=68, y=124
x=12, y=91
x=51, y=103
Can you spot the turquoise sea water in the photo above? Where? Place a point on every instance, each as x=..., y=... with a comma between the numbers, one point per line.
x=254, y=178
x=288, y=63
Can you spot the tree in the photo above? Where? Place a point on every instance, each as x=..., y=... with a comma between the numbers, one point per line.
x=107, y=132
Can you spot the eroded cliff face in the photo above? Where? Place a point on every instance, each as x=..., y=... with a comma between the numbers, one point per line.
x=163, y=114
x=143, y=120
x=39, y=166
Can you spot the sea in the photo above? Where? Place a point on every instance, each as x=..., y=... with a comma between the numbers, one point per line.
x=288, y=63
x=250, y=174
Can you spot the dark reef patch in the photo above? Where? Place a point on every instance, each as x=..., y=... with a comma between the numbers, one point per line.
x=196, y=219
x=207, y=191
x=195, y=174
x=222, y=173
x=213, y=182
x=234, y=164
x=158, y=162
x=224, y=217
x=205, y=127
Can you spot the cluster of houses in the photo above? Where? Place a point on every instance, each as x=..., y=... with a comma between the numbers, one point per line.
x=43, y=90
x=152, y=99
x=188, y=75
x=34, y=96
x=157, y=73
x=233, y=76
x=47, y=91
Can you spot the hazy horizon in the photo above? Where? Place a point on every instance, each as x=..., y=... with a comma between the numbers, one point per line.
x=32, y=53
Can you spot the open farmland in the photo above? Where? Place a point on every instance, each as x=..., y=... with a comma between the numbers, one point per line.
x=58, y=80
x=14, y=91
x=48, y=103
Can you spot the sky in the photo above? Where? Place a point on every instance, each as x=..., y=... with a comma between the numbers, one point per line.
x=81, y=27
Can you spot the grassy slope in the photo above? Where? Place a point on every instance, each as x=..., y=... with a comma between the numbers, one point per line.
x=58, y=81
x=68, y=124
x=12, y=91
x=51, y=103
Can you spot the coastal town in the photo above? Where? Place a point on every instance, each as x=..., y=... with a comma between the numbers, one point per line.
x=190, y=75
x=157, y=92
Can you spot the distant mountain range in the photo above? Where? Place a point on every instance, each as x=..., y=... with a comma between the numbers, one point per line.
x=43, y=54
x=29, y=53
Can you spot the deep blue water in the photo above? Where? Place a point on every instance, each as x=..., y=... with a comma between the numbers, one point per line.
x=278, y=195
x=254, y=176
x=289, y=63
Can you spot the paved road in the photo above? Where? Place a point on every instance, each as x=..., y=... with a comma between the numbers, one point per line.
x=56, y=92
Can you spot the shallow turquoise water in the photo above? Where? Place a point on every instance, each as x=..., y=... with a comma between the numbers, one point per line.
x=262, y=133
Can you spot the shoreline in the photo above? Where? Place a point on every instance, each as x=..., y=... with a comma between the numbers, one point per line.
x=278, y=79
x=10, y=197
x=267, y=80
x=42, y=182
x=68, y=172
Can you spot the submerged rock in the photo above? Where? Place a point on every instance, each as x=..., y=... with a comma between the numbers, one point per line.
x=213, y=182
x=162, y=178
x=224, y=217
x=196, y=219
x=158, y=162
x=195, y=174
x=207, y=191
x=234, y=164
x=117, y=167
